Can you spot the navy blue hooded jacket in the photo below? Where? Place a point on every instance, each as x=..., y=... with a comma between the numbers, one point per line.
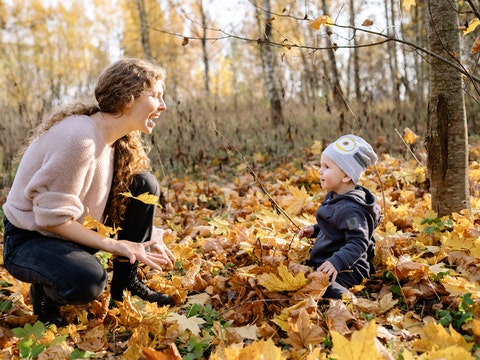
x=344, y=231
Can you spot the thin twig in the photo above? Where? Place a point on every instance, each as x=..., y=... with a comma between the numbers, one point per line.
x=409, y=149
x=255, y=176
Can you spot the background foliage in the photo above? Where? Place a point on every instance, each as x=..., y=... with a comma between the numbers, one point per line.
x=239, y=276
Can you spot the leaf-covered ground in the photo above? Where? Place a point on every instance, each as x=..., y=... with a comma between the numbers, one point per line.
x=242, y=290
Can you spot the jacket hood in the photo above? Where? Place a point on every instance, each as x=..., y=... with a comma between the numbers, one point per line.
x=361, y=196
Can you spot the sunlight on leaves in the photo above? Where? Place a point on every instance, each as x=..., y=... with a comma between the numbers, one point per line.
x=145, y=198
x=472, y=25
x=361, y=346
x=409, y=136
x=90, y=223
x=324, y=20
x=407, y=4
x=437, y=337
x=262, y=349
x=192, y=323
x=283, y=281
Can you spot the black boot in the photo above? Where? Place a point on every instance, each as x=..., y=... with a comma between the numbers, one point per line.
x=47, y=311
x=125, y=277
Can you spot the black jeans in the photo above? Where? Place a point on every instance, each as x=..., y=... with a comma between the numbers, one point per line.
x=68, y=272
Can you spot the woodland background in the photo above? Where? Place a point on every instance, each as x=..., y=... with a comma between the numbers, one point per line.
x=250, y=106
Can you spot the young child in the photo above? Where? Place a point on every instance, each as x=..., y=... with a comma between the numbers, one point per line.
x=344, y=246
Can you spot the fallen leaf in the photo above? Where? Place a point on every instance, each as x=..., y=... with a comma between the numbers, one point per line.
x=283, y=281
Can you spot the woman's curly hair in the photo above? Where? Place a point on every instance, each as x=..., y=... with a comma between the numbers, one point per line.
x=118, y=86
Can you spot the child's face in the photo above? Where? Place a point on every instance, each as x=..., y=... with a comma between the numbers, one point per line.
x=332, y=178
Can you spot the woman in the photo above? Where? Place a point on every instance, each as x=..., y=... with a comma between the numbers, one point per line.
x=79, y=163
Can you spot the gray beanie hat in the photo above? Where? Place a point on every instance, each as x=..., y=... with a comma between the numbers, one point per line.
x=352, y=154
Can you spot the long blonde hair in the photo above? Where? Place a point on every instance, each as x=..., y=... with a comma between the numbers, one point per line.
x=119, y=85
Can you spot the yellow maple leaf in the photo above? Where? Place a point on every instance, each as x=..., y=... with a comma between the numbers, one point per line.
x=187, y=323
x=360, y=347
x=262, y=349
x=90, y=223
x=284, y=281
x=146, y=198
x=450, y=353
x=221, y=226
x=407, y=4
x=324, y=20
x=436, y=337
x=457, y=286
x=472, y=25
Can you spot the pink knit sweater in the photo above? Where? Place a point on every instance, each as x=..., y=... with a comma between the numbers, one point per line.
x=64, y=174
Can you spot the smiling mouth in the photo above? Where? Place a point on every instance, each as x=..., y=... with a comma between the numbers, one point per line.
x=154, y=116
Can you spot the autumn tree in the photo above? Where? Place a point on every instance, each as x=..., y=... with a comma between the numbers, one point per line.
x=268, y=60
x=446, y=140
x=49, y=54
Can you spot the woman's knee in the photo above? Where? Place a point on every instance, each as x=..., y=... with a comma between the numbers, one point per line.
x=145, y=182
x=86, y=288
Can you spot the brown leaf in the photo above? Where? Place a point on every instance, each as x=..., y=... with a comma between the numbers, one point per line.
x=407, y=269
x=367, y=22
x=337, y=317
x=170, y=353
x=303, y=333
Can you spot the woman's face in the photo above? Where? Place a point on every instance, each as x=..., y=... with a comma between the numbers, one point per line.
x=146, y=108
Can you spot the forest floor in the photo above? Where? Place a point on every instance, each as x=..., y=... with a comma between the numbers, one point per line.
x=242, y=290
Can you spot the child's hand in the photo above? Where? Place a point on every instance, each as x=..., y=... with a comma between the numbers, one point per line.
x=329, y=269
x=307, y=231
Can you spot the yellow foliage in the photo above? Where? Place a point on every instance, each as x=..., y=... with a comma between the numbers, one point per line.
x=407, y=4
x=409, y=136
x=436, y=337
x=145, y=198
x=472, y=25
x=262, y=349
x=324, y=20
x=360, y=347
x=90, y=223
x=283, y=281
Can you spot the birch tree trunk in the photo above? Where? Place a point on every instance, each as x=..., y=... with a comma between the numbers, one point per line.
x=276, y=111
x=142, y=16
x=446, y=140
x=356, y=61
x=338, y=94
x=204, y=47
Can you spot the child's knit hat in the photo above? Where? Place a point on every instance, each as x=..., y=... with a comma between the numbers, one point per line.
x=352, y=154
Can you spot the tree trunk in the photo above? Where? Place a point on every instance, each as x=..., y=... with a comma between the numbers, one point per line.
x=276, y=111
x=392, y=54
x=356, y=62
x=338, y=95
x=446, y=140
x=204, y=47
x=142, y=16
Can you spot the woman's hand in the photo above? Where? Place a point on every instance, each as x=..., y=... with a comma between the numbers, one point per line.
x=160, y=248
x=157, y=259
x=153, y=253
x=141, y=252
x=307, y=231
